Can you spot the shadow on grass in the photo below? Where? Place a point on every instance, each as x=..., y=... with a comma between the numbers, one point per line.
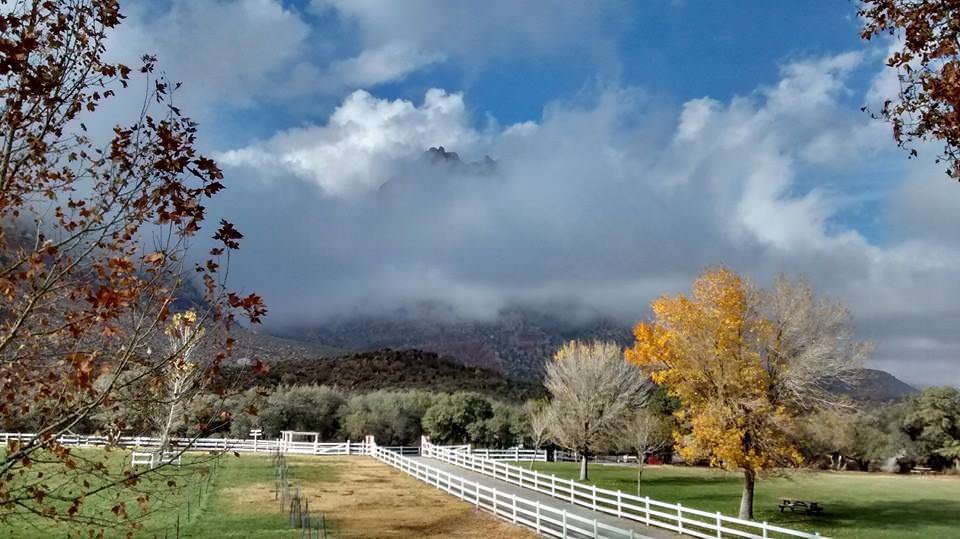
x=882, y=515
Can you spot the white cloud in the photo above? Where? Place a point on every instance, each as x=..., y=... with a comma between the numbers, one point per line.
x=228, y=52
x=250, y=52
x=431, y=29
x=384, y=63
x=362, y=142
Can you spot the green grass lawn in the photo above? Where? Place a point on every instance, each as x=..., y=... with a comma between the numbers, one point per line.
x=858, y=505
x=196, y=496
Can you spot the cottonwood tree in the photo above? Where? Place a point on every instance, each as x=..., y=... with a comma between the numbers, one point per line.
x=592, y=388
x=928, y=68
x=746, y=363
x=93, y=246
x=644, y=433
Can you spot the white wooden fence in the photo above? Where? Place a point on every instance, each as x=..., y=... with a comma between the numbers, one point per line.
x=544, y=519
x=516, y=454
x=250, y=445
x=255, y=445
x=153, y=460
x=651, y=512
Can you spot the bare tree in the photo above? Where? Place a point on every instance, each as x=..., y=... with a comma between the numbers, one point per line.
x=644, y=433
x=539, y=424
x=592, y=389
x=810, y=351
x=180, y=378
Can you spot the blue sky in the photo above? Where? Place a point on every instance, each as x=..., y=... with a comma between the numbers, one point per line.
x=637, y=143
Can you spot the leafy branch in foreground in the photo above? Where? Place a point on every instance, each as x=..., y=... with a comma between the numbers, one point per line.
x=94, y=233
x=927, y=61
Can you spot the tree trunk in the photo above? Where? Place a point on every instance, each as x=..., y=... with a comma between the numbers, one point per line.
x=583, y=467
x=176, y=394
x=746, y=498
x=640, y=462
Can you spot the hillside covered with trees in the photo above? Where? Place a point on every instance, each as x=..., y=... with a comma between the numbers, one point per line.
x=390, y=369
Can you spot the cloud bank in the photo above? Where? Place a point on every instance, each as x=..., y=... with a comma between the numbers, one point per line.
x=603, y=203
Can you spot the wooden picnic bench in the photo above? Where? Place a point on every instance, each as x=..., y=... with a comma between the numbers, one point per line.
x=810, y=508
x=921, y=470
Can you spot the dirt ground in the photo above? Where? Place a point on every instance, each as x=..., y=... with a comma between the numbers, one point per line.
x=364, y=498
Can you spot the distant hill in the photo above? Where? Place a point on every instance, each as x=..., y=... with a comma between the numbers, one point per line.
x=266, y=347
x=516, y=343
x=392, y=369
x=876, y=386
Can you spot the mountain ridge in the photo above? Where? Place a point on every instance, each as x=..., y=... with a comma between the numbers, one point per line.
x=516, y=343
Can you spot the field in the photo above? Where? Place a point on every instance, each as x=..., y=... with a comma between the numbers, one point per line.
x=858, y=505
x=359, y=497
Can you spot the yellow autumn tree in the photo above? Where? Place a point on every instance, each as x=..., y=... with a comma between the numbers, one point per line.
x=728, y=353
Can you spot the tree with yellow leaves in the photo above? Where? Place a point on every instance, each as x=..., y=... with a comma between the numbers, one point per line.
x=745, y=363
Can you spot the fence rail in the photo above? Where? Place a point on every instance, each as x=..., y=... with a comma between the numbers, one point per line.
x=650, y=512
x=515, y=454
x=544, y=519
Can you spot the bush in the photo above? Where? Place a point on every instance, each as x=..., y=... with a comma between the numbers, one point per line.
x=506, y=427
x=303, y=408
x=392, y=417
x=451, y=418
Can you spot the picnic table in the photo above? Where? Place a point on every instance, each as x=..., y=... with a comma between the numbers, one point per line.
x=921, y=470
x=808, y=507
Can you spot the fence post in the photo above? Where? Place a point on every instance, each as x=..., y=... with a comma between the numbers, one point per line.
x=647, y=509
x=516, y=454
x=513, y=499
x=680, y=517
x=596, y=532
x=719, y=526
x=537, y=520
x=564, y=524
x=619, y=504
x=594, y=500
x=765, y=529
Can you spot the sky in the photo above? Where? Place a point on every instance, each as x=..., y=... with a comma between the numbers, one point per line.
x=637, y=143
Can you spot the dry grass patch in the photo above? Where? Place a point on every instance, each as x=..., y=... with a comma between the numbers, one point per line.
x=362, y=497
x=257, y=498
